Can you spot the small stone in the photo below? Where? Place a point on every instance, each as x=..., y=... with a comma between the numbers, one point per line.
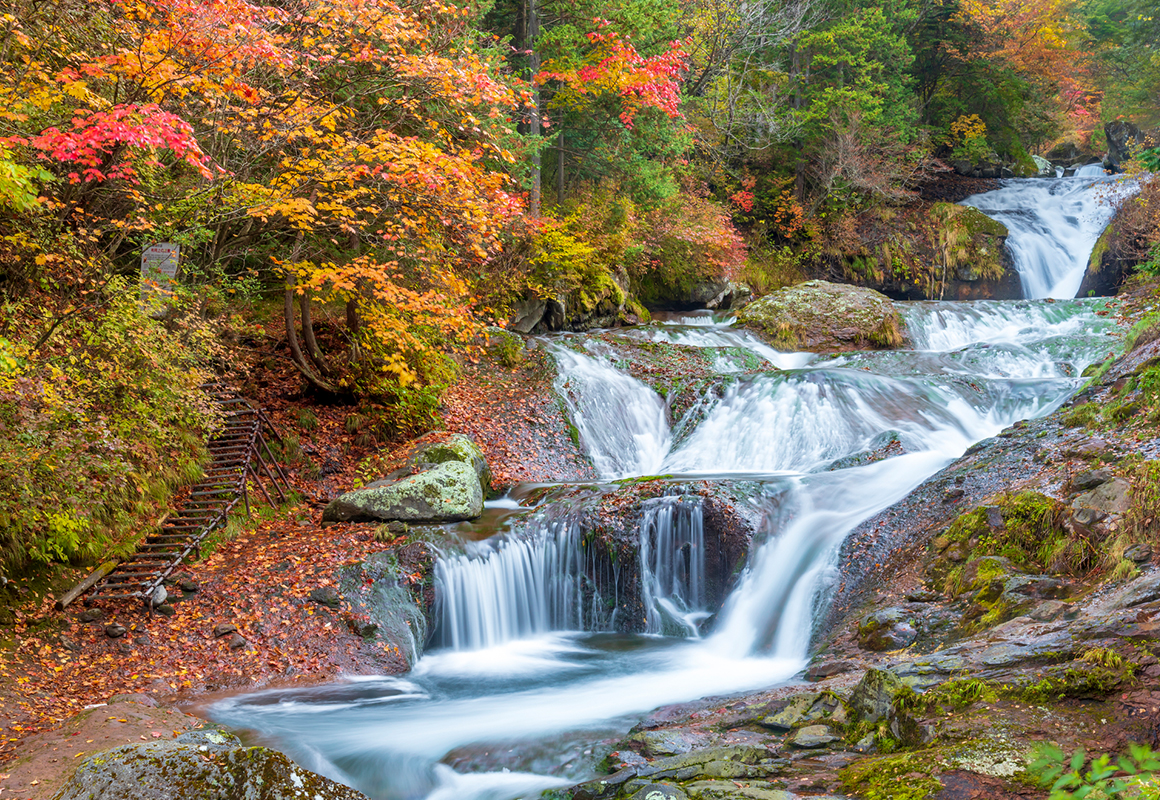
x=326, y=596
x=1139, y=553
x=1092, y=479
x=813, y=736
x=791, y=714
x=994, y=517
x=187, y=584
x=923, y=596
x=237, y=642
x=953, y=495
x=124, y=647
x=866, y=745
x=115, y=631
x=159, y=596
x=69, y=644
x=142, y=640
x=1049, y=611
x=224, y=628
x=166, y=610
x=91, y=615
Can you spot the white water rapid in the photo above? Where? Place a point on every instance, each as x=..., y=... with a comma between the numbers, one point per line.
x=525, y=678
x=1054, y=224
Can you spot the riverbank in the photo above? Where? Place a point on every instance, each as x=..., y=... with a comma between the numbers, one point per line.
x=262, y=583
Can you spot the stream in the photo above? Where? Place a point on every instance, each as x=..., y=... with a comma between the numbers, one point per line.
x=525, y=678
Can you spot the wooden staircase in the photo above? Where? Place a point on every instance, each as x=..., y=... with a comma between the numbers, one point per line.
x=241, y=458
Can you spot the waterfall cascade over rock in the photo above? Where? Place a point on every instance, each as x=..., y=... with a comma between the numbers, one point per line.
x=525, y=662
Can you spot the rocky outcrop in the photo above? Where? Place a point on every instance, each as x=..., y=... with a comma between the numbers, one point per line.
x=824, y=316
x=391, y=598
x=449, y=487
x=199, y=765
x=973, y=252
x=1123, y=138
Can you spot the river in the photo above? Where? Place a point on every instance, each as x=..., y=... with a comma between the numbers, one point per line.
x=513, y=698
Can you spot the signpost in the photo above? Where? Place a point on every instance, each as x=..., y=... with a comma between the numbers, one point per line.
x=158, y=273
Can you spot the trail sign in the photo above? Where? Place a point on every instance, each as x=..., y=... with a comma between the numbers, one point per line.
x=158, y=271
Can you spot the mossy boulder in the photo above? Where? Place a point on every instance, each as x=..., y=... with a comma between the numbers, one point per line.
x=824, y=317
x=972, y=246
x=888, y=629
x=457, y=447
x=199, y=765
x=874, y=695
x=447, y=492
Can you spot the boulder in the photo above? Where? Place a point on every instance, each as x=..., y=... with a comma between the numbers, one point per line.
x=813, y=736
x=824, y=316
x=457, y=447
x=733, y=294
x=527, y=315
x=886, y=630
x=874, y=695
x=1122, y=137
x=1090, y=480
x=660, y=791
x=199, y=765
x=1046, y=168
x=1110, y=497
x=448, y=492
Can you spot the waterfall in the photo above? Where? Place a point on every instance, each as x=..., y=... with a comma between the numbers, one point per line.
x=623, y=424
x=672, y=564
x=519, y=586
x=1054, y=224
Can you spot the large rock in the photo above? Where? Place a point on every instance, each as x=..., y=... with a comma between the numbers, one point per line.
x=457, y=447
x=824, y=316
x=874, y=695
x=1122, y=137
x=974, y=250
x=448, y=492
x=199, y=765
x=1111, y=497
x=886, y=630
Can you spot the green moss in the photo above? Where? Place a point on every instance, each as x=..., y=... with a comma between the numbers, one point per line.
x=1096, y=260
x=1032, y=526
x=894, y=777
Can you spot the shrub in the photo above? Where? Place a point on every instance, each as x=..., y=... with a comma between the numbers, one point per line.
x=96, y=429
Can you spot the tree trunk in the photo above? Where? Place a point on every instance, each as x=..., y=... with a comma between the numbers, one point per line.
x=534, y=200
x=312, y=348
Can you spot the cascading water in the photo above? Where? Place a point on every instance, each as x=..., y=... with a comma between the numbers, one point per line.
x=519, y=675
x=672, y=563
x=1054, y=224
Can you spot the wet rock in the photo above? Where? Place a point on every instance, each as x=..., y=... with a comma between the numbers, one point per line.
x=386, y=602
x=727, y=790
x=791, y=714
x=1050, y=611
x=449, y=492
x=1087, y=517
x=819, y=672
x=115, y=631
x=1144, y=589
x=670, y=742
x=187, y=584
x=874, y=695
x=731, y=295
x=809, y=316
x=166, y=610
x=199, y=765
x=236, y=642
x=886, y=630
x=660, y=791
x=326, y=596
x=91, y=615
x=224, y=628
x=1139, y=553
x=1111, y=497
x=1091, y=479
x=813, y=736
